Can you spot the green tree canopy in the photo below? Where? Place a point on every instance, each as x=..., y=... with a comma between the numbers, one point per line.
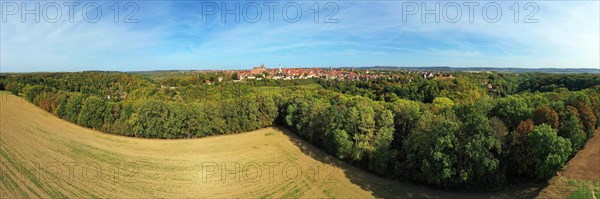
x=93, y=110
x=431, y=149
x=550, y=152
x=512, y=110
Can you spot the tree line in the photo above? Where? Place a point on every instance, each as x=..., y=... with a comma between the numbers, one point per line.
x=447, y=141
x=464, y=88
x=483, y=144
x=151, y=118
x=549, y=82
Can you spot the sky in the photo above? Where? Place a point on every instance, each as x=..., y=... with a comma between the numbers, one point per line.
x=201, y=35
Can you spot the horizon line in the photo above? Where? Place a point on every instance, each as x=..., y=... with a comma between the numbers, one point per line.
x=338, y=67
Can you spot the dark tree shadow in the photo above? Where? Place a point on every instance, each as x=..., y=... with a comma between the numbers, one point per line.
x=386, y=188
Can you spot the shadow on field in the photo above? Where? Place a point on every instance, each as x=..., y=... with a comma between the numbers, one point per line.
x=386, y=188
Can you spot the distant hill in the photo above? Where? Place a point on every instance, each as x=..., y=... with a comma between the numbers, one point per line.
x=391, y=68
x=429, y=68
x=482, y=69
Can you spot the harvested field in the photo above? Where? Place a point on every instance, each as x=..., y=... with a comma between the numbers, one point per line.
x=44, y=156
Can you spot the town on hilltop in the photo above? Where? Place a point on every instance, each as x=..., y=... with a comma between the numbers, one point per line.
x=260, y=72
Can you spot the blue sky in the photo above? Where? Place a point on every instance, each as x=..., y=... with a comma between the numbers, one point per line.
x=173, y=35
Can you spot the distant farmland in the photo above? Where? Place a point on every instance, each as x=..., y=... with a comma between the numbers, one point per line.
x=44, y=156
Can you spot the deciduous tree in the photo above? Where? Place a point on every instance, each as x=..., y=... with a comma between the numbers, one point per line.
x=93, y=111
x=512, y=110
x=431, y=150
x=550, y=152
x=544, y=115
x=571, y=128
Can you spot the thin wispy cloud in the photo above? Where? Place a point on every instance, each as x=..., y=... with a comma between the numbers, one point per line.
x=173, y=35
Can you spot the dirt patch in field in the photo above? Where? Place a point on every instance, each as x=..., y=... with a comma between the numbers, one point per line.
x=44, y=156
x=586, y=164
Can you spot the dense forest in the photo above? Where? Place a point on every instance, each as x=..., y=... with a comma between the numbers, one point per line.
x=472, y=131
